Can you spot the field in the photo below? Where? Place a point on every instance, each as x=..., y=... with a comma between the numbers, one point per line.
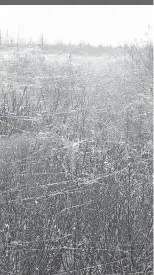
x=76, y=162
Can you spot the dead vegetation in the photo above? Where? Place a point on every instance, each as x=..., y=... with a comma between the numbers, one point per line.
x=76, y=164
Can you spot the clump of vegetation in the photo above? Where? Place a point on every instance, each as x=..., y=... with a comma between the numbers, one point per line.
x=76, y=163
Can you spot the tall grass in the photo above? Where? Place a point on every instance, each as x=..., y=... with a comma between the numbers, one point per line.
x=76, y=164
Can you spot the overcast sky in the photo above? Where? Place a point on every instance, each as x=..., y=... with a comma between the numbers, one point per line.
x=93, y=24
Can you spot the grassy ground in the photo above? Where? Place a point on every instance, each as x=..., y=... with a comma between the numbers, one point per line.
x=75, y=162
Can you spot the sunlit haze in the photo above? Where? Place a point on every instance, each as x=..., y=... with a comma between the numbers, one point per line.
x=93, y=24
